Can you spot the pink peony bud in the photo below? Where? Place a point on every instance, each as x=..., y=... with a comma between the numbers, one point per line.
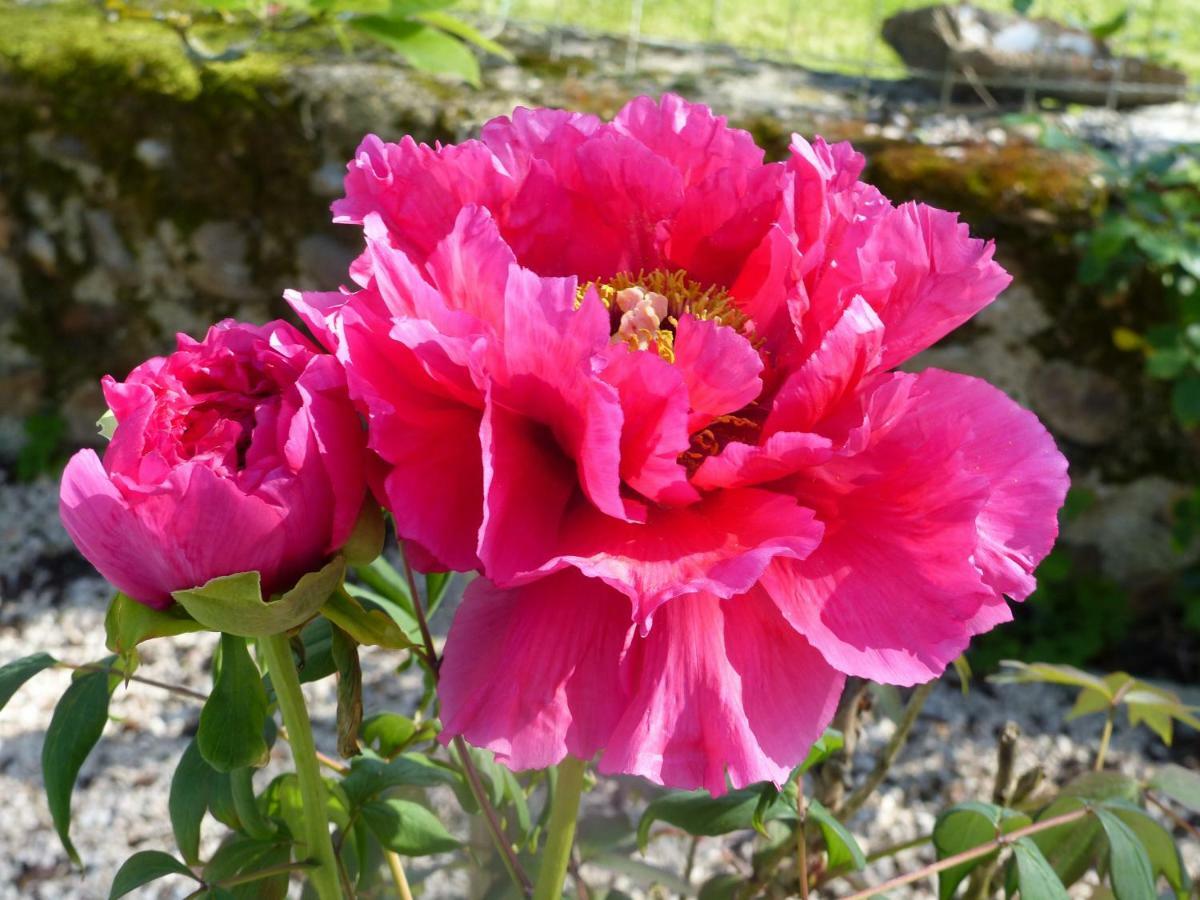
x=238, y=453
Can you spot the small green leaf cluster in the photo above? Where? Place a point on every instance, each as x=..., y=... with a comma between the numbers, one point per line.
x=422, y=32
x=1146, y=246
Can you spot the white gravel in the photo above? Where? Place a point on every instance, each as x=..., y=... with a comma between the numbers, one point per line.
x=50, y=601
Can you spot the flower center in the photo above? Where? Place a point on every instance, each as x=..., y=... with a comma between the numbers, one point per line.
x=646, y=307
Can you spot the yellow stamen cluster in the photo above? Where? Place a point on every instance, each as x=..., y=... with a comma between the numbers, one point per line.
x=646, y=307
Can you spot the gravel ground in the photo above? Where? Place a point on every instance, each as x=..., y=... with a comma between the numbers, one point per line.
x=50, y=600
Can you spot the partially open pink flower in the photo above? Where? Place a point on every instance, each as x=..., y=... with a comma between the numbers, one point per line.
x=645, y=382
x=238, y=453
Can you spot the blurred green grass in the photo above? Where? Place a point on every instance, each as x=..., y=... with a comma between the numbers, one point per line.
x=842, y=35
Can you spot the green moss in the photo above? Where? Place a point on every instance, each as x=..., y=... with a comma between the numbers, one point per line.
x=74, y=46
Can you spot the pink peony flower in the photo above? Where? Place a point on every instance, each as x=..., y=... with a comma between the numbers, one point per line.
x=646, y=384
x=238, y=453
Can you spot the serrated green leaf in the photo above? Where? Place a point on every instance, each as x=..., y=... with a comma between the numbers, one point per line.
x=75, y=727
x=144, y=867
x=233, y=604
x=1130, y=872
x=407, y=828
x=128, y=623
x=369, y=627
x=19, y=671
x=1036, y=878
x=1180, y=784
x=841, y=848
x=422, y=47
x=234, y=716
x=700, y=813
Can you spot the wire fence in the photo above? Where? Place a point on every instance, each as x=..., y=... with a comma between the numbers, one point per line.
x=844, y=36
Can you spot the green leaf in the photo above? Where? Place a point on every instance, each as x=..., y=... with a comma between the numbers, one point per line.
x=722, y=887
x=1089, y=701
x=1185, y=400
x=1159, y=844
x=463, y=31
x=233, y=604
x=349, y=693
x=965, y=826
x=700, y=813
x=1180, y=784
x=1130, y=872
x=1110, y=26
x=369, y=627
x=316, y=651
x=422, y=47
x=19, y=671
x=191, y=787
x=239, y=855
x=829, y=743
x=1035, y=876
x=407, y=828
x=389, y=733
x=128, y=623
x=366, y=540
x=1022, y=673
x=370, y=776
x=840, y=845
x=106, y=425
x=142, y=868
x=75, y=727
x=234, y=715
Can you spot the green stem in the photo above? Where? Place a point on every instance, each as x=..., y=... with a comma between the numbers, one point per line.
x=560, y=832
x=1105, y=737
x=253, y=821
x=278, y=655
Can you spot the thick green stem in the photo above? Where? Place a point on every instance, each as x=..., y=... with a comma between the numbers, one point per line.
x=278, y=655
x=556, y=857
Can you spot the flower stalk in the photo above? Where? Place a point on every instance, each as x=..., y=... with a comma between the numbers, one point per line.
x=278, y=656
x=560, y=836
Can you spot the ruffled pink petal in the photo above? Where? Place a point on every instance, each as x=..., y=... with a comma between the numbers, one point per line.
x=547, y=370
x=608, y=187
x=719, y=546
x=720, y=369
x=955, y=499
x=849, y=351
x=470, y=267
x=943, y=277
x=532, y=673
x=417, y=191
x=655, y=425
x=722, y=221
x=196, y=527
x=528, y=482
x=722, y=689
x=688, y=135
x=1027, y=476
x=536, y=134
x=743, y=465
x=109, y=535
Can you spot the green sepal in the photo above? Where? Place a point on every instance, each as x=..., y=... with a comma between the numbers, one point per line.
x=234, y=604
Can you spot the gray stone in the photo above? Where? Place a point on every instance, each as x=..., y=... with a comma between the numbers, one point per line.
x=107, y=245
x=220, y=266
x=96, y=288
x=322, y=262
x=153, y=153
x=1080, y=404
x=40, y=247
x=1007, y=51
x=1130, y=526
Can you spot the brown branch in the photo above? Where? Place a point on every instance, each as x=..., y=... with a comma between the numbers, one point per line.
x=950, y=862
x=173, y=688
x=912, y=711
